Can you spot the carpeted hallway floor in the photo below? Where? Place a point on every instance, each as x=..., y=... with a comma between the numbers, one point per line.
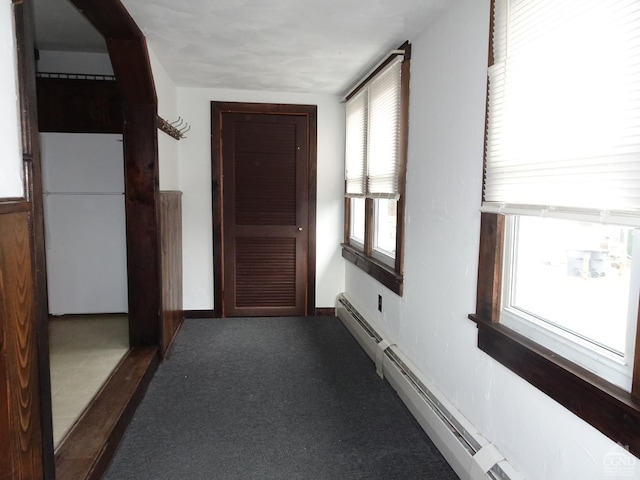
x=272, y=398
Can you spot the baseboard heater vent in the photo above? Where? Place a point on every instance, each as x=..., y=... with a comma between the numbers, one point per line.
x=470, y=455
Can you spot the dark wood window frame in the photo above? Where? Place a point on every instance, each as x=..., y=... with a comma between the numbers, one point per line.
x=362, y=257
x=607, y=407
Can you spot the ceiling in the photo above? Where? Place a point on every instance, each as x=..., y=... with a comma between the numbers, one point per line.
x=311, y=46
x=59, y=26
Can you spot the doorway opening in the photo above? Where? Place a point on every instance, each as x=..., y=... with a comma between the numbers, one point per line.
x=264, y=208
x=80, y=129
x=94, y=437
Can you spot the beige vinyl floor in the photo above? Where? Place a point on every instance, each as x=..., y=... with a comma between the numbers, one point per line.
x=84, y=350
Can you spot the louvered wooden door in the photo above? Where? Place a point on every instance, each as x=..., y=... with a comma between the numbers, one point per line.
x=265, y=213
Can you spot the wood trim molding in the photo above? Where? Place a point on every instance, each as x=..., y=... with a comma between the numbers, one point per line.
x=13, y=206
x=490, y=266
x=312, y=118
x=217, y=205
x=325, y=312
x=369, y=213
x=347, y=219
x=86, y=450
x=403, y=152
x=200, y=314
x=378, y=270
x=132, y=68
x=38, y=327
x=635, y=382
x=605, y=406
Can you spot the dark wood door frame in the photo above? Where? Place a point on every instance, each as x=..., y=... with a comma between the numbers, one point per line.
x=217, y=108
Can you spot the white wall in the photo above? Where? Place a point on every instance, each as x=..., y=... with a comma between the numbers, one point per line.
x=429, y=323
x=195, y=180
x=168, y=149
x=74, y=62
x=11, y=185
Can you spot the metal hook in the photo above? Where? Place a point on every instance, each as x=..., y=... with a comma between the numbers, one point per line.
x=176, y=129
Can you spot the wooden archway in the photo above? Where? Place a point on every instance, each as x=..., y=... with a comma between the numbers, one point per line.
x=26, y=449
x=130, y=60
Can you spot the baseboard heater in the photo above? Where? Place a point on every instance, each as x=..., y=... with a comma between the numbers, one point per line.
x=470, y=455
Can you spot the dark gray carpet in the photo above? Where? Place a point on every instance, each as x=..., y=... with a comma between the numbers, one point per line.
x=272, y=398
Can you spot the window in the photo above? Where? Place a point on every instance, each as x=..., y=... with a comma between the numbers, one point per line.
x=559, y=274
x=375, y=159
x=385, y=227
x=568, y=285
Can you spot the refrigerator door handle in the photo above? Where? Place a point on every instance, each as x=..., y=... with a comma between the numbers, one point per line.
x=47, y=231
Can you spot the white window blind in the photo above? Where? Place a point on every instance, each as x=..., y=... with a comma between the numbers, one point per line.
x=373, y=133
x=384, y=132
x=356, y=145
x=563, y=131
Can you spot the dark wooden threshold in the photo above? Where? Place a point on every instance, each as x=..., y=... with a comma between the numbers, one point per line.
x=326, y=312
x=88, y=448
x=199, y=314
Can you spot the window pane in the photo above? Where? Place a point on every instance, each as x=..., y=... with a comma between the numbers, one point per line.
x=357, y=220
x=384, y=237
x=575, y=276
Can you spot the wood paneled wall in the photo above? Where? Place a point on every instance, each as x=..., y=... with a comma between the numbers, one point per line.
x=26, y=438
x=171, y=265
x=73, y=105
x=20, y=435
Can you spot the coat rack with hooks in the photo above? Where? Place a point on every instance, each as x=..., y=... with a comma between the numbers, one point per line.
x=175, y=129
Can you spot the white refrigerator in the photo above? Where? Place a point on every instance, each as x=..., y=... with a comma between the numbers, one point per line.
x=84, y=214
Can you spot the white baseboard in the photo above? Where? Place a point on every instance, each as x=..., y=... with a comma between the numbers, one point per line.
x=470, y=455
